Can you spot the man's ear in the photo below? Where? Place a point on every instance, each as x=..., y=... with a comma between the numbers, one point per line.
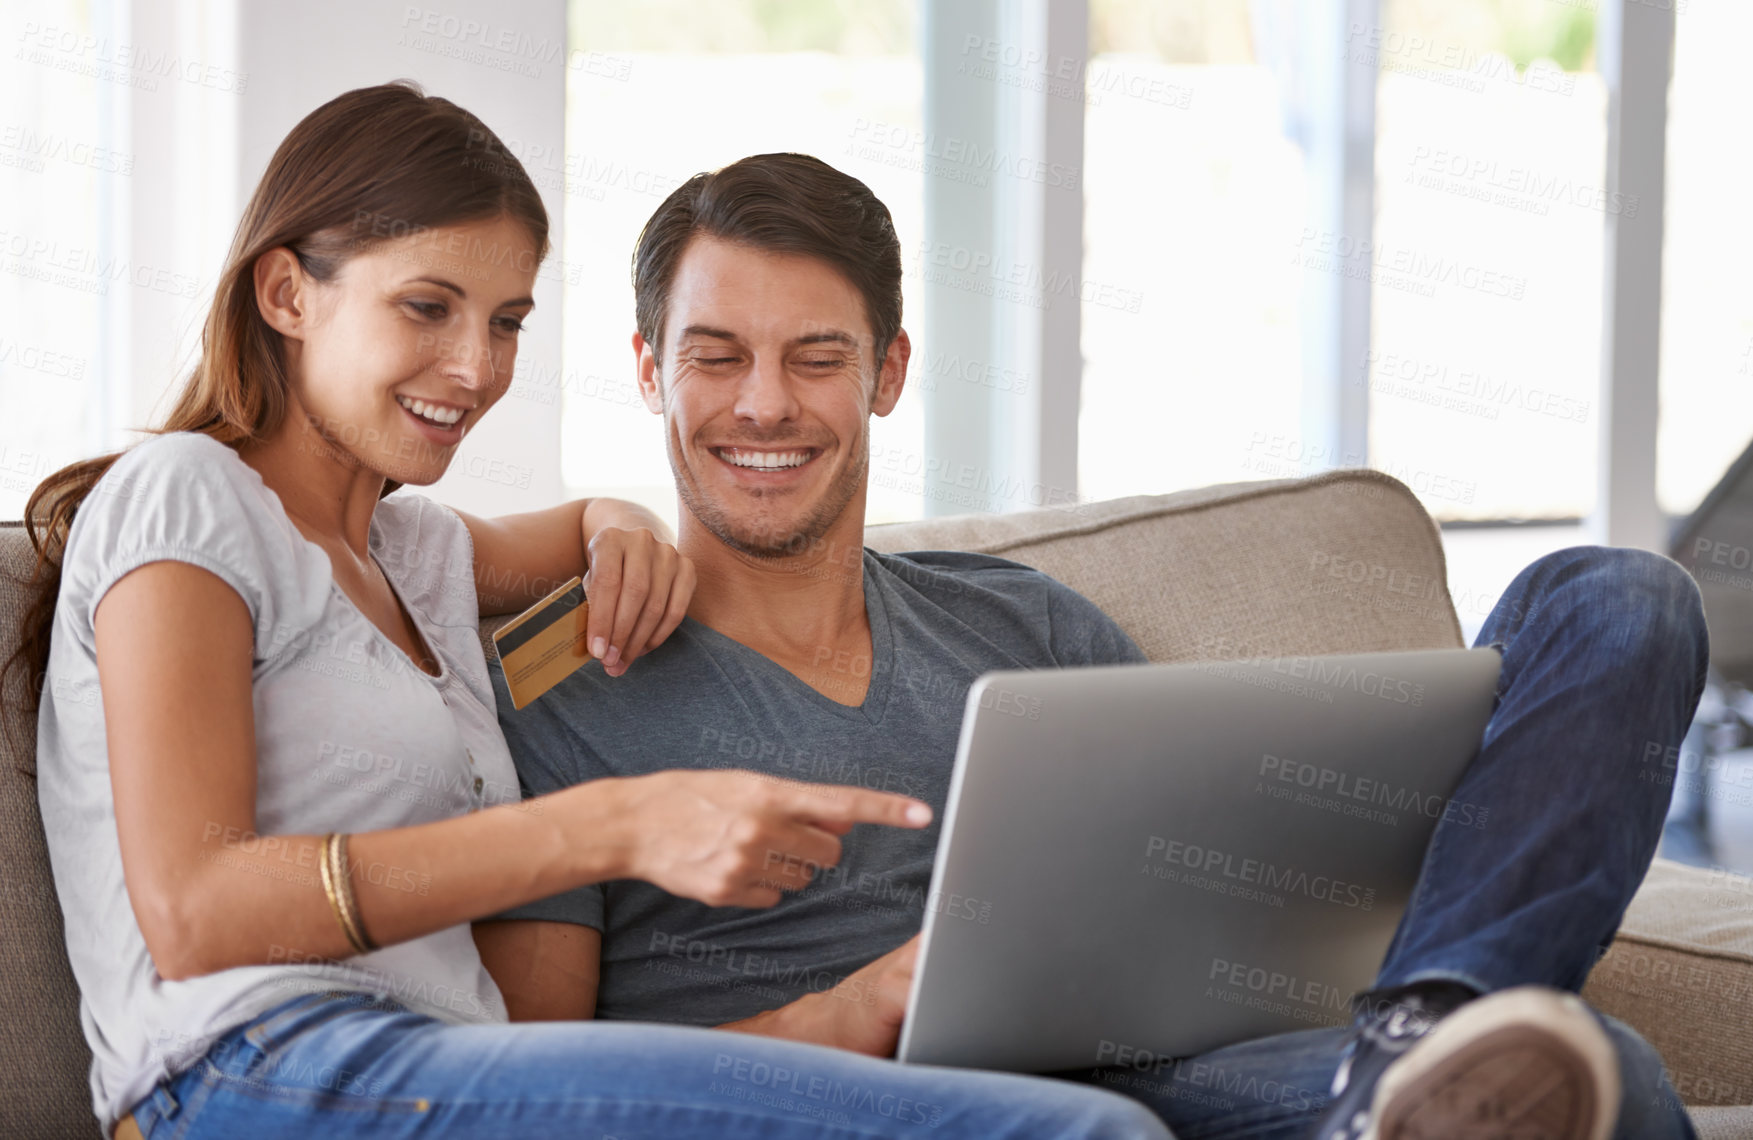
x=892, y=377
x=650, y=385
x=282, y=292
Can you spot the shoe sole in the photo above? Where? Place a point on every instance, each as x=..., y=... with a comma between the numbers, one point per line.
x=1522, y=1064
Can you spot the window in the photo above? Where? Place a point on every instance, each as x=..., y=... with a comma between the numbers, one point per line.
x=1707, y=294
x=62, y=174
x=1486, y=298
x=1194, y=198
x=672, y=89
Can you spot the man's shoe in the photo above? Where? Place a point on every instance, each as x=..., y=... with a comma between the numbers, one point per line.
x=1427, y=1063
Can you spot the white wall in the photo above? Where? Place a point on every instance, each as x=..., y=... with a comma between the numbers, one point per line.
x=505, y=61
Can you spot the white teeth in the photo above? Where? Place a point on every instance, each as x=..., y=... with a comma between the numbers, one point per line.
x=764, y=460
x=433, y=412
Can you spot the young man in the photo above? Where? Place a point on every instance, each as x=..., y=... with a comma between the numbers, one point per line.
x=768, y=308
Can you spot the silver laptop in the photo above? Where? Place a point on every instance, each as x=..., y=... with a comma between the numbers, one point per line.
x=1146, y=862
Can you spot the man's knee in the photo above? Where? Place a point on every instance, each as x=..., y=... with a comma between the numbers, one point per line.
x=1644, y=597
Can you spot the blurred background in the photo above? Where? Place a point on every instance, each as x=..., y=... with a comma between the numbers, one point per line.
x=1493, y=247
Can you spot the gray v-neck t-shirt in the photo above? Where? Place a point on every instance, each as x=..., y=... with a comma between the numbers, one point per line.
x=938, y=621
x=350, y=735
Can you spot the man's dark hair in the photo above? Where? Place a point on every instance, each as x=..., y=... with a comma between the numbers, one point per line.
x=780, y=203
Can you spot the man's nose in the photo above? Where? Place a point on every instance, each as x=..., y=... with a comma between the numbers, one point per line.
x=765, y=395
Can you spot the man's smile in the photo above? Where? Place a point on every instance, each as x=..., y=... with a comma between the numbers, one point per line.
x=767, y=461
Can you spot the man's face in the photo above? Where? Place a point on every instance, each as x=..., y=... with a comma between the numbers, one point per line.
x=766, y=381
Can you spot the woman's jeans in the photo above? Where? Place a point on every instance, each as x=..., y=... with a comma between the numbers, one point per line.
x=345, y=1065
x=1604, y=655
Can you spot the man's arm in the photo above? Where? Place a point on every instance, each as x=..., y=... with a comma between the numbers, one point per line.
x=548, y=971
x=863, y=1013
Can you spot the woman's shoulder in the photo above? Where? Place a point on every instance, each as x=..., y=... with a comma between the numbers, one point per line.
x=187, y=497
x=179, y=465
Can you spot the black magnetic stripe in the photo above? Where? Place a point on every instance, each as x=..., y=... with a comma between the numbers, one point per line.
x=517, y=638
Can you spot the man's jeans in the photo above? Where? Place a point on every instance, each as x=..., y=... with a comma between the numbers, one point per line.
x=1604, y=655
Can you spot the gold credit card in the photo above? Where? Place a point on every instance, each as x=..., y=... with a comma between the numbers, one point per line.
x=545, y=644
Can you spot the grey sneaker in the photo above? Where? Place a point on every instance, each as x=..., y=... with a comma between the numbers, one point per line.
x=1521, y=1064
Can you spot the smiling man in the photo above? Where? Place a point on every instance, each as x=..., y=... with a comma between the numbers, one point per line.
x=768, y=304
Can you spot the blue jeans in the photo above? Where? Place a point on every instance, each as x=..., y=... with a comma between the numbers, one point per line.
x=1604, y=655
x=337, y=1065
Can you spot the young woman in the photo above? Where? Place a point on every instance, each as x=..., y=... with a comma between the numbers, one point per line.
x=270, y=771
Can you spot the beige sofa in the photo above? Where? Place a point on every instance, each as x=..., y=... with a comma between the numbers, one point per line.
x=1341, y=562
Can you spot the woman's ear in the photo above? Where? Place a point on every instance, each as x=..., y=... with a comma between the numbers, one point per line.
x=282, y=295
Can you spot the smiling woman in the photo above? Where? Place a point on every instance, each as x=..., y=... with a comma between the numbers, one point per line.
x=256, y=616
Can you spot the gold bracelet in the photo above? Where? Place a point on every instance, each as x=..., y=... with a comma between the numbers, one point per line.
x=326, y=862
x=349, y=904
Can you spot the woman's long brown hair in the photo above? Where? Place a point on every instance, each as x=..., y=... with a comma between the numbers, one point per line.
x=368, y=167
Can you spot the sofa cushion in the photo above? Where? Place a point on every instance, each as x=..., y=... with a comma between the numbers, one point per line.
x=1681, y=973
x=1343, y=562
x=44, y=1061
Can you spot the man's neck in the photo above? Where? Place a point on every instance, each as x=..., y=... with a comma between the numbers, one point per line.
x=798, y=609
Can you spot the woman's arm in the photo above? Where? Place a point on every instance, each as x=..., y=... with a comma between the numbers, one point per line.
x=638, y=586
x=174, y=650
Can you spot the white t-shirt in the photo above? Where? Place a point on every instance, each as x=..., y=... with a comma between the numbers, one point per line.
x=351, y=736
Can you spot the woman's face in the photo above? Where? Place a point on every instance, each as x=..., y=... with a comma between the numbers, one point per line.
x=397, y=357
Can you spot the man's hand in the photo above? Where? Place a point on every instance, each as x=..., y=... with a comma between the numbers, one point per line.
x=863, y=1013
x=639, y=587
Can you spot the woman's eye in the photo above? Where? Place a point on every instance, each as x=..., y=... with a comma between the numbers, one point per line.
x=511, y=325
x=429, y=309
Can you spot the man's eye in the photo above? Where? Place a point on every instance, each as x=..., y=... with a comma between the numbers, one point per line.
x=822, y=365
x=715, y=360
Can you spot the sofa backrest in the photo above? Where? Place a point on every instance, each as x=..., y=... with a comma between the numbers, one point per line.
x=1342, y=562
